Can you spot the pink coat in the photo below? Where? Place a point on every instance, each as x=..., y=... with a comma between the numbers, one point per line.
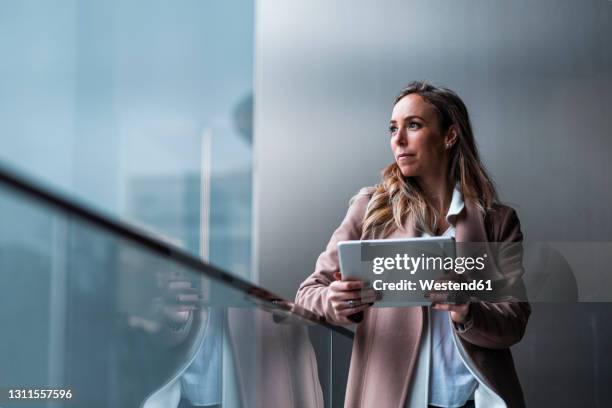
x=386, y=345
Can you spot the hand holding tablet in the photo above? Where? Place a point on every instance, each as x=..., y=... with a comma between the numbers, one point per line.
x=349, y=298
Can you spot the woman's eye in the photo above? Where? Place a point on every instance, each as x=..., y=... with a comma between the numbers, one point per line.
x=392, y=129
x=413, y=125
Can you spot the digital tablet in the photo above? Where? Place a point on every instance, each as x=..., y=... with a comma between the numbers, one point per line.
x=402, y=271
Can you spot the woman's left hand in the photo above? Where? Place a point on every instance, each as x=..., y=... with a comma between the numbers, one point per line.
x=459, y=308
x=458, y=313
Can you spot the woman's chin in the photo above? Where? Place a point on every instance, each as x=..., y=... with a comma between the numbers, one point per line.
x=407, y=171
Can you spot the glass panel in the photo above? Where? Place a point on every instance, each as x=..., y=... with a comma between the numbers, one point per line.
x=114, y=102
x=120, y=324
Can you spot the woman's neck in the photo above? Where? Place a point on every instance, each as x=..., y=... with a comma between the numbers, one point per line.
x=438, y=192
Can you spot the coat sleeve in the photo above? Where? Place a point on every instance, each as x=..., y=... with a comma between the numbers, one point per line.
x=313, y=292
x=501, y=324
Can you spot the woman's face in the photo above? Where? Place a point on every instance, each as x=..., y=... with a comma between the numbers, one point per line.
x=416, y=140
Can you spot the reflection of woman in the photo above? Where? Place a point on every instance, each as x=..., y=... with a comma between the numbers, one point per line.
x=446, y=355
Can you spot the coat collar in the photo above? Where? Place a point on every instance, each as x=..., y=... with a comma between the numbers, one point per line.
x=470, y=225
x=469, y=221
x=456, y=206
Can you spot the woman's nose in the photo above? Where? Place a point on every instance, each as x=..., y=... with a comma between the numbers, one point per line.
x=400, y=137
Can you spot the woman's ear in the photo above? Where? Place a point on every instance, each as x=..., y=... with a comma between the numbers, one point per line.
x=452, y=135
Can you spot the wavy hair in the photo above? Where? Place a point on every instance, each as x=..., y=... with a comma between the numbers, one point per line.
x=396, y=196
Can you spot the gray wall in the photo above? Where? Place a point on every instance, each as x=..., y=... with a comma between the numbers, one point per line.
x=537, y=79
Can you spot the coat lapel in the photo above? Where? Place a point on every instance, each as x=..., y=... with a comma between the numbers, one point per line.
x=470, y=225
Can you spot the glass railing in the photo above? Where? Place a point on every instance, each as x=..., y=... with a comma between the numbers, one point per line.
x=95, y=313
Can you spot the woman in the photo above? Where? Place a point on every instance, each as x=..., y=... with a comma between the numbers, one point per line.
x=446, y=355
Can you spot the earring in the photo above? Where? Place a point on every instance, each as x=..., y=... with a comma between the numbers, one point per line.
x=448, y=146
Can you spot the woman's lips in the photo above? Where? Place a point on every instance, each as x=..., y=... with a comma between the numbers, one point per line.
x=406, y=156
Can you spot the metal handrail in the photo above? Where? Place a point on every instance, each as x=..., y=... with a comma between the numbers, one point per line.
x=36, y=191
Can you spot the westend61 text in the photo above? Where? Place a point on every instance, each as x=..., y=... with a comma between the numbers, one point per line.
x=432, y=284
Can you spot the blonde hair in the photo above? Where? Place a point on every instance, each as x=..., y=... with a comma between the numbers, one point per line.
x=396, y=196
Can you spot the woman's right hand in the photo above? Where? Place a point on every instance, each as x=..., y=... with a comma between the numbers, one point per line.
x=349, y=297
